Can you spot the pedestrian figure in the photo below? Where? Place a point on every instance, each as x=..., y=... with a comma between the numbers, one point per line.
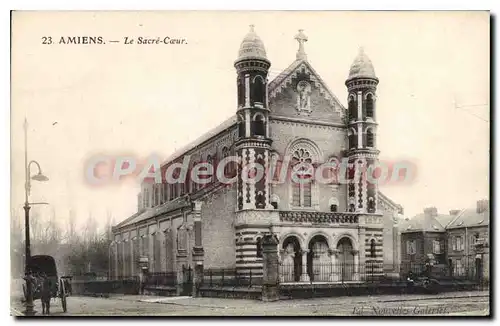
x=45, y=294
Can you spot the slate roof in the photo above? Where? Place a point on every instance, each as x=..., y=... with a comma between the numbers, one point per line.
x=470, y=217
x=420, y=223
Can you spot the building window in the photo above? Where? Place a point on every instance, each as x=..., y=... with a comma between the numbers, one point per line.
x=369, y=106
x=353, y=110
x=258, y=90
x=241, y=129
x=302, y=160
x=411, y=247
x=458, y=243
x=353, y=139
x=458, y=269
x=436, y=246
x=372, y=248
x=258, y=125
x=333, y=208
x=370, y=138
x=259, y=247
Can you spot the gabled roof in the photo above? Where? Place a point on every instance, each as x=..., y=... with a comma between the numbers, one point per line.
x=420, y=223
x=284, y=79
x=470, y=217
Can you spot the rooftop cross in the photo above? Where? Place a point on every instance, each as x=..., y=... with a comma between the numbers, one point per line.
x=301, y=38
x=252, y=28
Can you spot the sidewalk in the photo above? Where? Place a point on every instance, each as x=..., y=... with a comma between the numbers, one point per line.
x=237, y=303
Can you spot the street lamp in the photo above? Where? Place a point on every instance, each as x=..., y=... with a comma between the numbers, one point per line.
x=27, y=187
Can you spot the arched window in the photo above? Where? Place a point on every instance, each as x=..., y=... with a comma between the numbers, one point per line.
x=353, y=139
x=258, y=90
x=372, y=248
x=241, y=92
x=165, y=192
x=259, y=247
x=258, y=125
x=301, y=191
x=194, y=185
x=353, y=110
x=352, y=208
x=210, y=161
x=241, y=129
x=370, y=139
x=225, y=153
x=369, y=106
x=371, y=205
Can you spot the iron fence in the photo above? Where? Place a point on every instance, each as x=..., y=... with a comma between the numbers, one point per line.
x=374, y=272
x=230, y=277
x=160, y=279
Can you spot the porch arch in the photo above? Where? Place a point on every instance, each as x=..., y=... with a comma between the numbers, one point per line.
x=354, y=241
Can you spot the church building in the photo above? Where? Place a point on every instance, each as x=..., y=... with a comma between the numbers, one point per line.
x=297, y=117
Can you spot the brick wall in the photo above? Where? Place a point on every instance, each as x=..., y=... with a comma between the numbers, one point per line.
x=329, y=140
x=217, y=218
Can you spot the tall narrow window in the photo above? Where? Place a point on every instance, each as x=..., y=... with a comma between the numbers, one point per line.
x=258, y=126
x=353, y=140
x=241, y=92
x=259, y=247
x=210, y=161
x=302, y=182
x=369, y=106
x=370, y=140
x=225, y=153
x=241, y=129
x=353, y=110
x=372, y=248
x=258, y=90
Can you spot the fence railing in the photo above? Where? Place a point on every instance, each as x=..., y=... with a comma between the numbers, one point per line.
x=230, y=277
x=160, y=279
x=372, y=272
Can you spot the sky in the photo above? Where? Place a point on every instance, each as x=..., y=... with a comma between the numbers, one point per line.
x=115, y=99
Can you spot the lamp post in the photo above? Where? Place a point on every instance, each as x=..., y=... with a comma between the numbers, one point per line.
x=27, y=186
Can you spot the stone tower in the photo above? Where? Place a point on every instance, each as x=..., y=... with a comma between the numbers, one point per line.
x=253, y=209
x=253, y=144
x=362, y=126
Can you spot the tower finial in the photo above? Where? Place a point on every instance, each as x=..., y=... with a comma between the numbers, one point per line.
x=361, y=50
x=252, y=28
x=301, y=38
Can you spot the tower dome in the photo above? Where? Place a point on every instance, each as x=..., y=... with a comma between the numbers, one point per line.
x=362, y=67
x=252, y=47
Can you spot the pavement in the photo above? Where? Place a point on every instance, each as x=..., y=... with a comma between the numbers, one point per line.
x=475, y=303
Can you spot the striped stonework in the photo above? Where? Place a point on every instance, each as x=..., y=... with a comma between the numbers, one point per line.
x=246, y=251
x=377, y=262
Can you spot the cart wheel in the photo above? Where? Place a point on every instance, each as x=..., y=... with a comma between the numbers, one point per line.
x=62, y=295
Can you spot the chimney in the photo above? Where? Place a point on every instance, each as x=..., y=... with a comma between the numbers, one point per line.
x=482, y=205
x=430, y=212
x=454, y=212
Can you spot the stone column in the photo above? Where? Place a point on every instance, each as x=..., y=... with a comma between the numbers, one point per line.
x=280, y=262
x=197, y=253
x=270, y=283
x=356, y=264
x=334, y=275
x=304, y=277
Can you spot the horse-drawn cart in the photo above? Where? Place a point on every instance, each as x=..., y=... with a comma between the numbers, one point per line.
x=41, y=266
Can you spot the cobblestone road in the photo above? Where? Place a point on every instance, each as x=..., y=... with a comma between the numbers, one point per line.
x=458, y=303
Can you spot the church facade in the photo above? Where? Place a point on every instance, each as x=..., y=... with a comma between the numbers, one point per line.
x=293, y=122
